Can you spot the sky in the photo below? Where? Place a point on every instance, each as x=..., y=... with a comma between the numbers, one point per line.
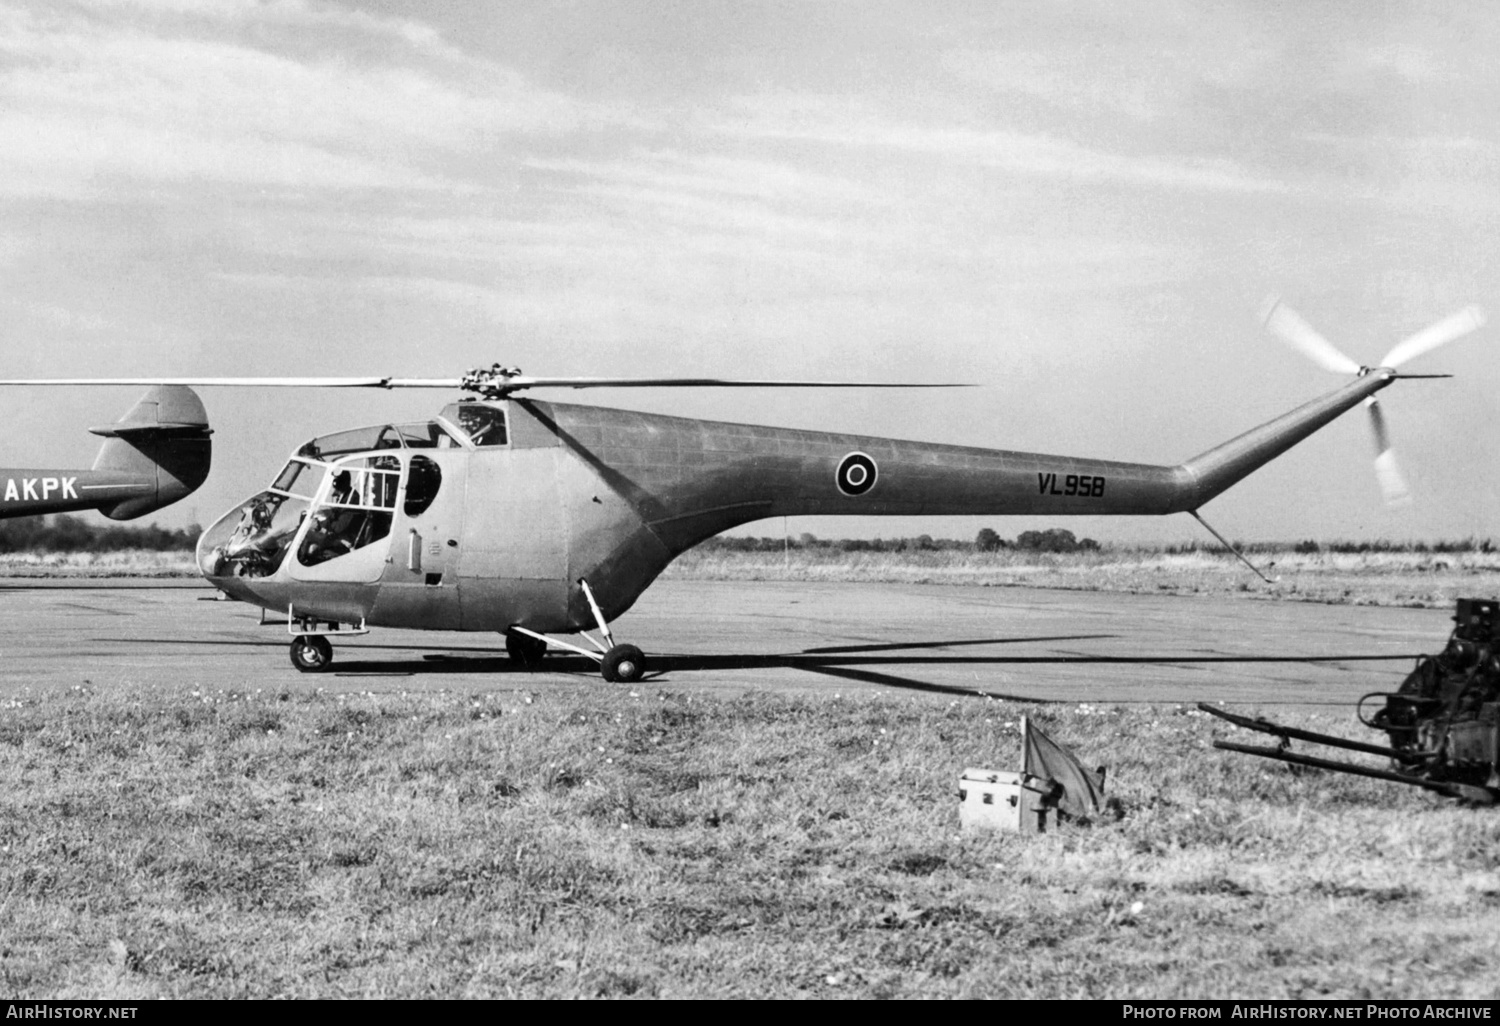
x=1077, y=207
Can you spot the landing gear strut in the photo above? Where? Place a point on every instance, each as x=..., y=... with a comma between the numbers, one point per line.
x=622, y=664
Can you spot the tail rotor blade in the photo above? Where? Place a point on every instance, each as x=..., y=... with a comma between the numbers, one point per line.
x=1284, y=322
x=1377, y=425
x=1470, y=318
x=1387, y=471
x=1392, y=484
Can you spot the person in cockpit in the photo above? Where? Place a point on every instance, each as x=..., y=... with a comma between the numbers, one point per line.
x=483, y=425
x=343, y=492
x=334, y=529
x=325, y=540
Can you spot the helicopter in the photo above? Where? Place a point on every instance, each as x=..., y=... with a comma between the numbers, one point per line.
x=154, y=455
x=532, y=518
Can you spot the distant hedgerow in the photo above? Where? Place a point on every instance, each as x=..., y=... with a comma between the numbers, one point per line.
x=64, y=533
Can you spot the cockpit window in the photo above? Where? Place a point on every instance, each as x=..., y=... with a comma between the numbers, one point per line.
x=300, y=478
x=485, y=425
x=422, y=435
x=356, y=511
x=252, y=540
x=344, y=442
x=423, y=479
x=428, y=434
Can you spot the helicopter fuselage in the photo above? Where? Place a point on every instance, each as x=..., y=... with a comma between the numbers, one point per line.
x=489, y=516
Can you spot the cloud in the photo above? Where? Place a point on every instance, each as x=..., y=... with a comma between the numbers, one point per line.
x=57, y=318
x=834, y=123
x=721, y=175
x=88, y=103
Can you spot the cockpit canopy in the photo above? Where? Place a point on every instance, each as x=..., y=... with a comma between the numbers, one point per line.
x=344, y=487
x=341, y=493
x=482, y=424
x=427, y=434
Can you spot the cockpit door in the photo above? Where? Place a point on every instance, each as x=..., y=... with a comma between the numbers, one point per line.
x=344, y=538
x=419, y=587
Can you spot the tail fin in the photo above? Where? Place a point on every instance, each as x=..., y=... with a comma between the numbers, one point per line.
x=164, y=438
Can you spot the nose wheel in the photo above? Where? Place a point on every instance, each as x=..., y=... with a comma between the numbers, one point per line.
x=311, y=650
x=312, y=653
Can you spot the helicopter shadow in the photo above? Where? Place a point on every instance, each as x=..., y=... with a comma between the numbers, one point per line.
x=872, y=663
x=865, y=664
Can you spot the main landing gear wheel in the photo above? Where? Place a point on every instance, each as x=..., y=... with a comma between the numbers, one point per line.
x=524, y=649
x=311, y=654
x=623, y=664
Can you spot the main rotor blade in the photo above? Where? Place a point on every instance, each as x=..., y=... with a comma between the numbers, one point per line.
x=253, y=382
x=527, y=381
x=508, y=383
x=1470, y=318
x=1387, y=471
x=1282, y=321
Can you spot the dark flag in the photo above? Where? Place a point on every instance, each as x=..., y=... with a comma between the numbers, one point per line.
x=1082, y=789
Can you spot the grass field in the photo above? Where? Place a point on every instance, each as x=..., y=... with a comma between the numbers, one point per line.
x=124, y=563
x=1418, y=579
x=647, y=843
x=597, y=841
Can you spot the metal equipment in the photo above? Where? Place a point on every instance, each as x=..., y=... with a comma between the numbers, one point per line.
x=1443, y=723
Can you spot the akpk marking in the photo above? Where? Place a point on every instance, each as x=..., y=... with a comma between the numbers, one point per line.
x=39, y=489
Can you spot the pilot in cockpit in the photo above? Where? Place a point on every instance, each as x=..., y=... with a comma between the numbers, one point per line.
x=483, y=425
x=343, y=491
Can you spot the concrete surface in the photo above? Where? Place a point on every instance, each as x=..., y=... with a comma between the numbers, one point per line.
x=1036, y=645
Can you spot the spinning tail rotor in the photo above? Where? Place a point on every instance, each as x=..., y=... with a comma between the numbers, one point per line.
x=1284, y=322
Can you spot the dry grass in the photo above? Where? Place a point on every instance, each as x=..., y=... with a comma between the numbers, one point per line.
x=1377, y=578
x=1386, y=578
x=124, y=563
x=1383, y=578
x=603, y=842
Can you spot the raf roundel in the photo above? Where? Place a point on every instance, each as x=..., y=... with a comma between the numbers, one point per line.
x=856, y=474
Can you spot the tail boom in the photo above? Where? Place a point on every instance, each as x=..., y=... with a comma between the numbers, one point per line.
x=690, y=479
x=32, y=492
x=1221, y=467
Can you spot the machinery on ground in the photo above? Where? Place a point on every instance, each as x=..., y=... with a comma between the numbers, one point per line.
x=1442, y=723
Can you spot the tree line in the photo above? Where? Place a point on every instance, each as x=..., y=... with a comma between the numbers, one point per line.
x=63, y=533
x=1053, y=540
x=1062, y=540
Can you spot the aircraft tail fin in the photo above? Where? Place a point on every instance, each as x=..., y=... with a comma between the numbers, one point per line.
x=166, y=436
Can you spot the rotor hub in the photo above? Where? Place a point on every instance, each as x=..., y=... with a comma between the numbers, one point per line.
x=493, y=382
